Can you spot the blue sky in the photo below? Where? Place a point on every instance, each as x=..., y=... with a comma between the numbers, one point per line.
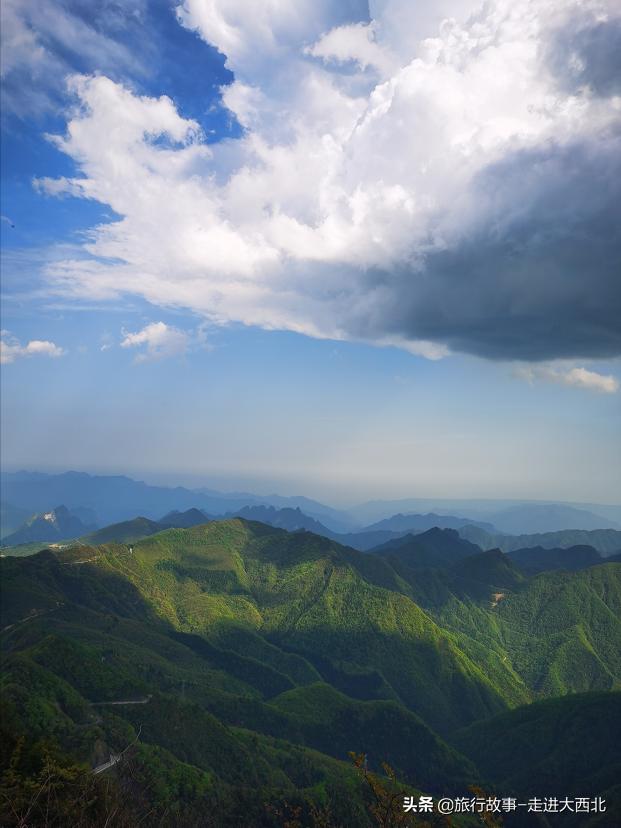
x=311, y=267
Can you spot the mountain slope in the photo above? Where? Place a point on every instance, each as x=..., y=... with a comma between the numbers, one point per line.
x=558, y=747
x=306, y=594
x=491, y=569
x=141, y=527
x=92, y=661
x=127, y=530
x=236, y=654
x=302, y=594
x=502, y=638
x=563, y=630
x=555, y=633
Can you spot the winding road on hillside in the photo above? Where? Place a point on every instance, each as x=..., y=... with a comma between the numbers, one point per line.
x=125, y=701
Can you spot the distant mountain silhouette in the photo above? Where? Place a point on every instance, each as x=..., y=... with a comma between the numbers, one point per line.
x=508, y=516
x=47, y=527
x=184, y=520
x=125, y=531
x=290, y=519
x=119, y=498
x=410, y=522
x=363, y=539
x=605, y=541
x=142, y=527
x=295, y=520
x=552, y=517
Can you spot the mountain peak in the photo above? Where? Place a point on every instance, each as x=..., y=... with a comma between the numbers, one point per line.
x=45, y=527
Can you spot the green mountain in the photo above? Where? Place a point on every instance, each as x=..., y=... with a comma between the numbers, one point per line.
x=195, y=633
x=485, y=571
x=563, y=631
x=435, y=547
x=183, y=520
x=127, y=530
x=552, y=634
x=233, y=664
x=306, y=594
x=142, y=527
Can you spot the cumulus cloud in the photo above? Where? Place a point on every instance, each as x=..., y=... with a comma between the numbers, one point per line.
x=158, y=340
x=11, y=349
x=453, y=190
x=262, y=39
x=576, y=377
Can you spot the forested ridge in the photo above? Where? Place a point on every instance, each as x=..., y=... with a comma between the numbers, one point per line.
x=227, y=671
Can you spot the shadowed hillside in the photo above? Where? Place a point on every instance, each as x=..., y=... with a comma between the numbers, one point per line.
x=569, y=745
x=233, y=653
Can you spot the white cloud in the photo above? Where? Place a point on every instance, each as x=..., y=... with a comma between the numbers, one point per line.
x=576, y=377
x=429, y=350
x=434, y=206
x=260, y=37
x=11, y=349
x=354, y=42
x=159, y=341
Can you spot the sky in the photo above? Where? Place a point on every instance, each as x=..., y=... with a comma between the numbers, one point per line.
x=343, y=249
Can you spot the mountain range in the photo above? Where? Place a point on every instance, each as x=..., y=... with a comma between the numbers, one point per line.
x=118, y=498
x=510, y=516
x=233, y=666
x=292, y=519
x=111, y=499
x=83, y=489
x=606, y=541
